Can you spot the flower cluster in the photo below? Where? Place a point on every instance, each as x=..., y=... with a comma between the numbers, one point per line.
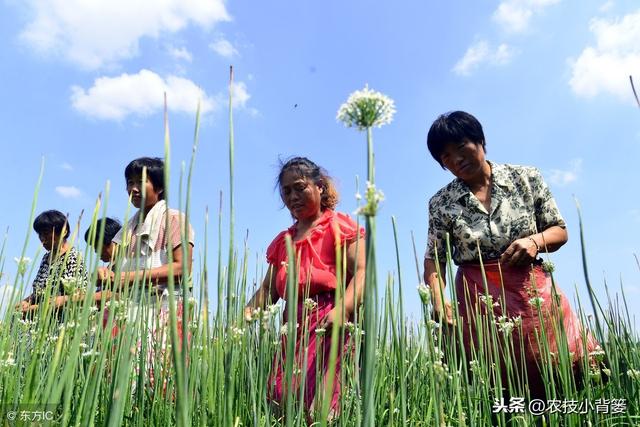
x=536, y=302
x=23, y=263
x=597, y=354
x=506, y=325
x=633, y=374
x=366, y=109
x=310, y=304
x=7, y=360
x=236, y=333
x=284, y=329
x=353, y=329
x=425, y=293
x=72, y=285
x=373, y=198
x=548, y=266
x=488, y=301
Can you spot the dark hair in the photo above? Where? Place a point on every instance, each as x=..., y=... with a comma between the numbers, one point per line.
x=52, y=220
x=305, y=168
x=111, y=228
x=453, y=127
x=155, y=172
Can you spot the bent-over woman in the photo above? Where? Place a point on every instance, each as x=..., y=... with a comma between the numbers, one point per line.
x=309, y=194
x=506, y=215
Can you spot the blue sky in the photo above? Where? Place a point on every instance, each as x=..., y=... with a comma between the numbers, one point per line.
x=83, y=84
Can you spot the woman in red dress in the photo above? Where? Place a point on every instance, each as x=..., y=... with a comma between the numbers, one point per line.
x=309, y=194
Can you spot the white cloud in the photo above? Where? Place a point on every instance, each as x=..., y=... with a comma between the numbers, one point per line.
x=240, y=95
x=606, y=6
x=480, y=52
x=563, y=177
x=224, y=48
x=94, y=33
x=66, y=166
x=606, y=67
x=141, y=94
x=69, y=192
x=514, y=15
x=180, y=53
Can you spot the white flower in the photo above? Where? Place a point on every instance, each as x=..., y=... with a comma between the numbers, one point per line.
x=548, y=266
x=320, y=332
x=285, y=328
x=425, y=293
x=72, y=284
x=27, y=323
x=365, y=109
x=237, y=333
x=358, y=196
x=536, y=302
x=68, y=325
x=310, y=304
x=373, y=199
x=7, y=360
x=633, y=374
x=597, y=354
x=441, y=370
x=505, y=327
x=352, y=328
x=22, y=262
x=439, y=354
x=90, y=353
x=488, y=301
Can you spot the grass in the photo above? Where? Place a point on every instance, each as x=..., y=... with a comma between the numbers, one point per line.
x=408, y=373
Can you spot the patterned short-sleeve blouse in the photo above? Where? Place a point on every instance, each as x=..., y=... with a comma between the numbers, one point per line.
x=316, y=252
x=521, y=205
x=68, y=266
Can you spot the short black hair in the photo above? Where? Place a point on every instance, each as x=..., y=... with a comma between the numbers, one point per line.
x=111, y=228
x=453, y=127
x=155, y=172
x=51, y=220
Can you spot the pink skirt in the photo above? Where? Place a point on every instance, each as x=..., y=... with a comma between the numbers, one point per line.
x=529, y=296
x=316, y=350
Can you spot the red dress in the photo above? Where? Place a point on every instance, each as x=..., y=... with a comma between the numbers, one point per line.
x=316, y=254
x=527, y=290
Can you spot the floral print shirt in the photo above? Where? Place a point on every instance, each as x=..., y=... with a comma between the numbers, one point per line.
x=521, y=205
x=66, y=270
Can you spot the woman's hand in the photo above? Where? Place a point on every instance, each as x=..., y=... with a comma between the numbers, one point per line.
x=105, y=274
x=521, y=252
x=444, y=312
x=23, y=306
x=334, y=317
x=248, y=314
x=60, y=300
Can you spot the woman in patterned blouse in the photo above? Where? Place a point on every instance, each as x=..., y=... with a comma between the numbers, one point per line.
x=61, y=265
x=505, y=216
